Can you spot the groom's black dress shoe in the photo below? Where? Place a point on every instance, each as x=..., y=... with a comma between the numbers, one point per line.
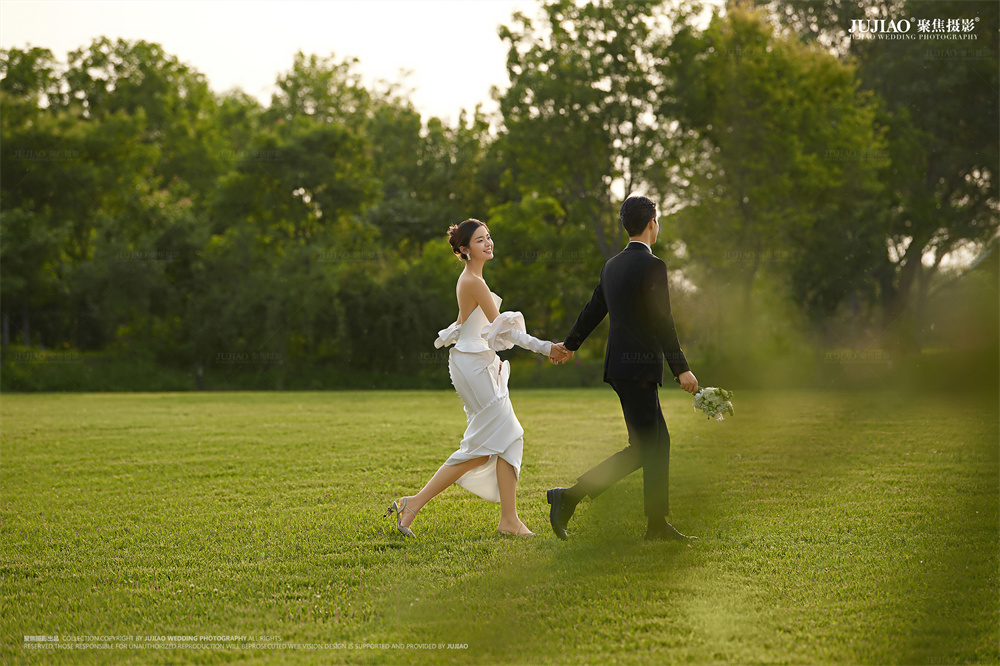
x=560, y=513
x=666, y=532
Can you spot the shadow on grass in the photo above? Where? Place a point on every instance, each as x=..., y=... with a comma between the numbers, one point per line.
x=541, y=600
x=837, y=531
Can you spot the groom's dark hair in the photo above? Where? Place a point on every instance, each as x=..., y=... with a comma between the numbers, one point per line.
x=635, y=214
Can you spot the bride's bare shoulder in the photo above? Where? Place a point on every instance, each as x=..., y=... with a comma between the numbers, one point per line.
x=471, y=285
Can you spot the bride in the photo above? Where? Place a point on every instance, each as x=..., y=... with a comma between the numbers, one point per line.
x=488, y=461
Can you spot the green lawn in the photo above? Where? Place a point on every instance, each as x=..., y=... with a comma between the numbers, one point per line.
x=835, y=528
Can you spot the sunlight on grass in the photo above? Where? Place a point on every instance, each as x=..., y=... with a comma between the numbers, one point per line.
x=834, y=528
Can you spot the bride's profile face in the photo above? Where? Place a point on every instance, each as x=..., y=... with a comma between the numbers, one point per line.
x=481, y=245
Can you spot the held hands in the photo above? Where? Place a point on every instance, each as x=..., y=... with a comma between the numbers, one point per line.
x=559, y=353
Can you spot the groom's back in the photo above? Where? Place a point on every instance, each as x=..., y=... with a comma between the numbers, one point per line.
x=623, y=279
x=634, y=294
x=633, y=349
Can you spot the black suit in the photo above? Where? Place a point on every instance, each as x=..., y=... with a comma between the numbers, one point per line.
x=633, y=291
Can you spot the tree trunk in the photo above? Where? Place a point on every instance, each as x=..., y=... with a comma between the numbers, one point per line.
x=924, y=278
x=898, y=316
x=820, y=345
x=25, y=331
x=279, y=374
x=5, y=333
x=854, y=321
x=747, y=335
x=602, y=241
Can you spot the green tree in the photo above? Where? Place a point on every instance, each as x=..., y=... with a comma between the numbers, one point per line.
x=30, y=75
x=63, y=172
x=432, y=175
x=140, y=276
x=429, y=174
x=544, y=267
x=942, y=120
x=291, y=210
x=29, y=252
x=787, y=172
x=579, y=115
x=139, y=79
x=326, y=89
x=301, y=181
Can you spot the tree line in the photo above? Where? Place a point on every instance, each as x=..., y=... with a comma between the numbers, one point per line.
x=798, y=171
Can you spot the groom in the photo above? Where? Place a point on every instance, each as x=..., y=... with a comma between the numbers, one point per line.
x=633, y=291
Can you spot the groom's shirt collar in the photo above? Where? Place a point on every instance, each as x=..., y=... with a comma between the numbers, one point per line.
x=641, y=243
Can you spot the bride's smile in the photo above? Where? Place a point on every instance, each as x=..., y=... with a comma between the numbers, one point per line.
x=483, y=242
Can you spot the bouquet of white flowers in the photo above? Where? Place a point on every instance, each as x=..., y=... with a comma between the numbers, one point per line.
x=714, y=402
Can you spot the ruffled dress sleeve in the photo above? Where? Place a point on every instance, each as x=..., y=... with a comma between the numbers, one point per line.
x=508, y=330
x=448, y=336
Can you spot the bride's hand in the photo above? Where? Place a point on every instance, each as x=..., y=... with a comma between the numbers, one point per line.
x=556, y=352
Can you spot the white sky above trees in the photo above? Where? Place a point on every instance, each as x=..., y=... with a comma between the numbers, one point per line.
x=451, y=47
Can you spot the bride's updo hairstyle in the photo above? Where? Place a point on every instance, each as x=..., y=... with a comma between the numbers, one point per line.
x=461, y=234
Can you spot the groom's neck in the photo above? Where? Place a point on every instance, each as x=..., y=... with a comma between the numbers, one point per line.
x=642, y=238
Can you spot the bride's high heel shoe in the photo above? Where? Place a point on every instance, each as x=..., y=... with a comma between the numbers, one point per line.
x=523, y=535
x=399, y=508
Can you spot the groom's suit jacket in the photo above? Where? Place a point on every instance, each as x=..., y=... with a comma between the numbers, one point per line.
x=633, y=291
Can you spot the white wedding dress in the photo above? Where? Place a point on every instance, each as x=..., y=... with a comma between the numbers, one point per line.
x=480, y=379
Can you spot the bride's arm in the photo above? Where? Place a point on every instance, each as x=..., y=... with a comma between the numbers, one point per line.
x=527, y=341
x=508, y=330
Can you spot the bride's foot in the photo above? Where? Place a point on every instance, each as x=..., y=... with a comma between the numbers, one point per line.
x=406, y=513
x=519, y=530
x=404, y=516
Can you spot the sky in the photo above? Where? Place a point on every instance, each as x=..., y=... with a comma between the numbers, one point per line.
x=450, y=47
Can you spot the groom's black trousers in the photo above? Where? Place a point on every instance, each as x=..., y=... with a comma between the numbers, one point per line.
x=649, y=448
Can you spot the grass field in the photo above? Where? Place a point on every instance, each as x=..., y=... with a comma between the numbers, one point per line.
x=835, y=528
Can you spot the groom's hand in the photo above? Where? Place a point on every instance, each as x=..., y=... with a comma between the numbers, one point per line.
x=688, y=382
